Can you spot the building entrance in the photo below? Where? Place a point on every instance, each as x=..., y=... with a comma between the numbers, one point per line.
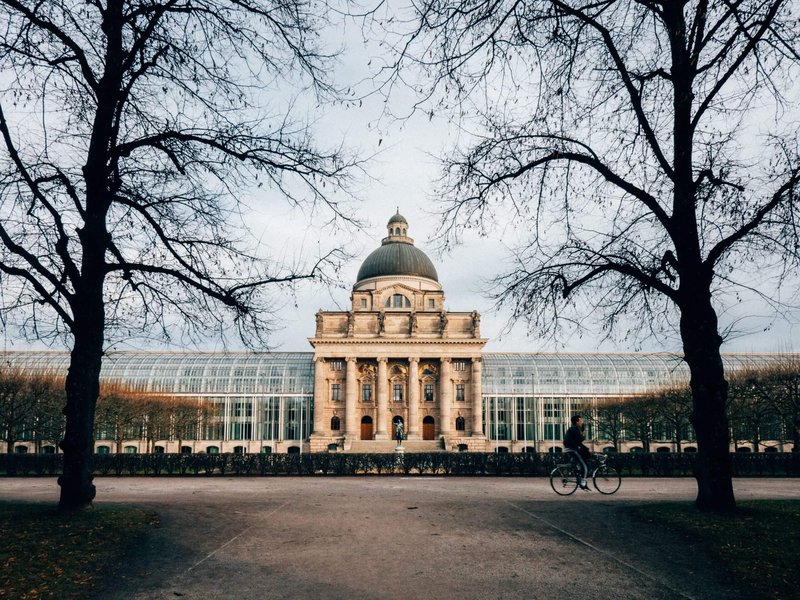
x=366, y=428
x=428, y=428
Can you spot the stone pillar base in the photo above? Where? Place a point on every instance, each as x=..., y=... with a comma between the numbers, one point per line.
x=413, y=436
x=381, y=436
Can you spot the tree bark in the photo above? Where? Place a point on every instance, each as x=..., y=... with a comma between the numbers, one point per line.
x=82, y=386
x=701, y=344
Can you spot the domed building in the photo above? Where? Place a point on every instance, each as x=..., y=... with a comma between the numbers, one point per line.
x=397, y=357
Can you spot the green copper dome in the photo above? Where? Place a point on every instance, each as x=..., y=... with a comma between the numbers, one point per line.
x=397, y=255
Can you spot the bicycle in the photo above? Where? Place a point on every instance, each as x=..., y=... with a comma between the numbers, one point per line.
x=565, y=477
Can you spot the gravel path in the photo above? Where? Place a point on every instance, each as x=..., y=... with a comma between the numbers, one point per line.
x=404, y=538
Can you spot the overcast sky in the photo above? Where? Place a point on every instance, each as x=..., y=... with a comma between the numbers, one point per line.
x=402, y=175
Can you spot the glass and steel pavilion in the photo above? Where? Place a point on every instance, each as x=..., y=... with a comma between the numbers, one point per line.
x=263, y=401
x=528, y=398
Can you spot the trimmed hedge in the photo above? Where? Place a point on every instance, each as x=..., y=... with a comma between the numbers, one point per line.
x=434, y=463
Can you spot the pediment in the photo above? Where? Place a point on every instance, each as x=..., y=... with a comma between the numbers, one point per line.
x=395, y=287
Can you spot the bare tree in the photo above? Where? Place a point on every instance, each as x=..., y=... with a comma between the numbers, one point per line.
x=750, y=406
x=129, y=128
x=783, y=387
x=28, y=404
x=640, y=415
x=45, y=393
x=185, y=416
x=120, y=414
x=156, y=420
x=15, y=409
x=674, y=408
x=609, y=421
x=651, y=149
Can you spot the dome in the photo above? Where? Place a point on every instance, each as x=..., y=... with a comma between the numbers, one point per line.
x=397, y=218
x=397, y=258
x=397, y=255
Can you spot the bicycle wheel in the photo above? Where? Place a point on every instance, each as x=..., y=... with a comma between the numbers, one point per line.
x=606, y=479
x=563, y=480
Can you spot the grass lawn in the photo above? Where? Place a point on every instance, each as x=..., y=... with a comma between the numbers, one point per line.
x=758, y=545
x=47, y=554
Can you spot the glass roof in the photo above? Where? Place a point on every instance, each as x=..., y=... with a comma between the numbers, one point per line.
x=204, y=373
x=591, y=374
x=209, y=373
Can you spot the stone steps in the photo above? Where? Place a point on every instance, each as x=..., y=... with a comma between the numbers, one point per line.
x=388, y=446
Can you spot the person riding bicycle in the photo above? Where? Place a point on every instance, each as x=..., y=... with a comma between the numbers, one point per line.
x=573, y=440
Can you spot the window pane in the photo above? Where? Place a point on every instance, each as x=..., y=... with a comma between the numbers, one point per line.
x=460, y=392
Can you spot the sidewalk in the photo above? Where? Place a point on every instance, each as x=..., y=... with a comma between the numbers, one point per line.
x=404, y=537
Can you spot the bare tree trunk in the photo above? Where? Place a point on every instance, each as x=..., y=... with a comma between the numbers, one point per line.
x=701, y=344
x=82, y=386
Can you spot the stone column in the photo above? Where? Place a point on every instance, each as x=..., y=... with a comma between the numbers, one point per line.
x=413, y=399
x=319, y=396
x=445, y=397
x=383, y=399
x=477, y=397
x=350, y=396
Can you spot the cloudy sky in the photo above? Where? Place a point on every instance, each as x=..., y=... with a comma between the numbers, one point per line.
x=402, y=175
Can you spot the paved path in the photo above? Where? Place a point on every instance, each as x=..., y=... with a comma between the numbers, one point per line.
x=404, y=538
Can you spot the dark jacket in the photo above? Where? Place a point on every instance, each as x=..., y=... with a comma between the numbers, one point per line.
x=573, y=439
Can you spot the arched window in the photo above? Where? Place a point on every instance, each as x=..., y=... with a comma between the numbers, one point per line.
x=186, y=449
x=335, y=423
x=398, y=301
x=212, y=449
x=131, y=450
x=460, y=424
x=103, y=450
x=160, y=449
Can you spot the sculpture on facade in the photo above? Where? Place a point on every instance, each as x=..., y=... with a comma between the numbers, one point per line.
x=381, y=322
x=412, y=323
x=350, y=322
x=443, y=322
x=319, y=322
x=476, y=324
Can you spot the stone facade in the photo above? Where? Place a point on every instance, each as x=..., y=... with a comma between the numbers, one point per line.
x=398, y=354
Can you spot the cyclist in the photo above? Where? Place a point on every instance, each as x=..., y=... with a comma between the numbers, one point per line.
x=573, y=441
